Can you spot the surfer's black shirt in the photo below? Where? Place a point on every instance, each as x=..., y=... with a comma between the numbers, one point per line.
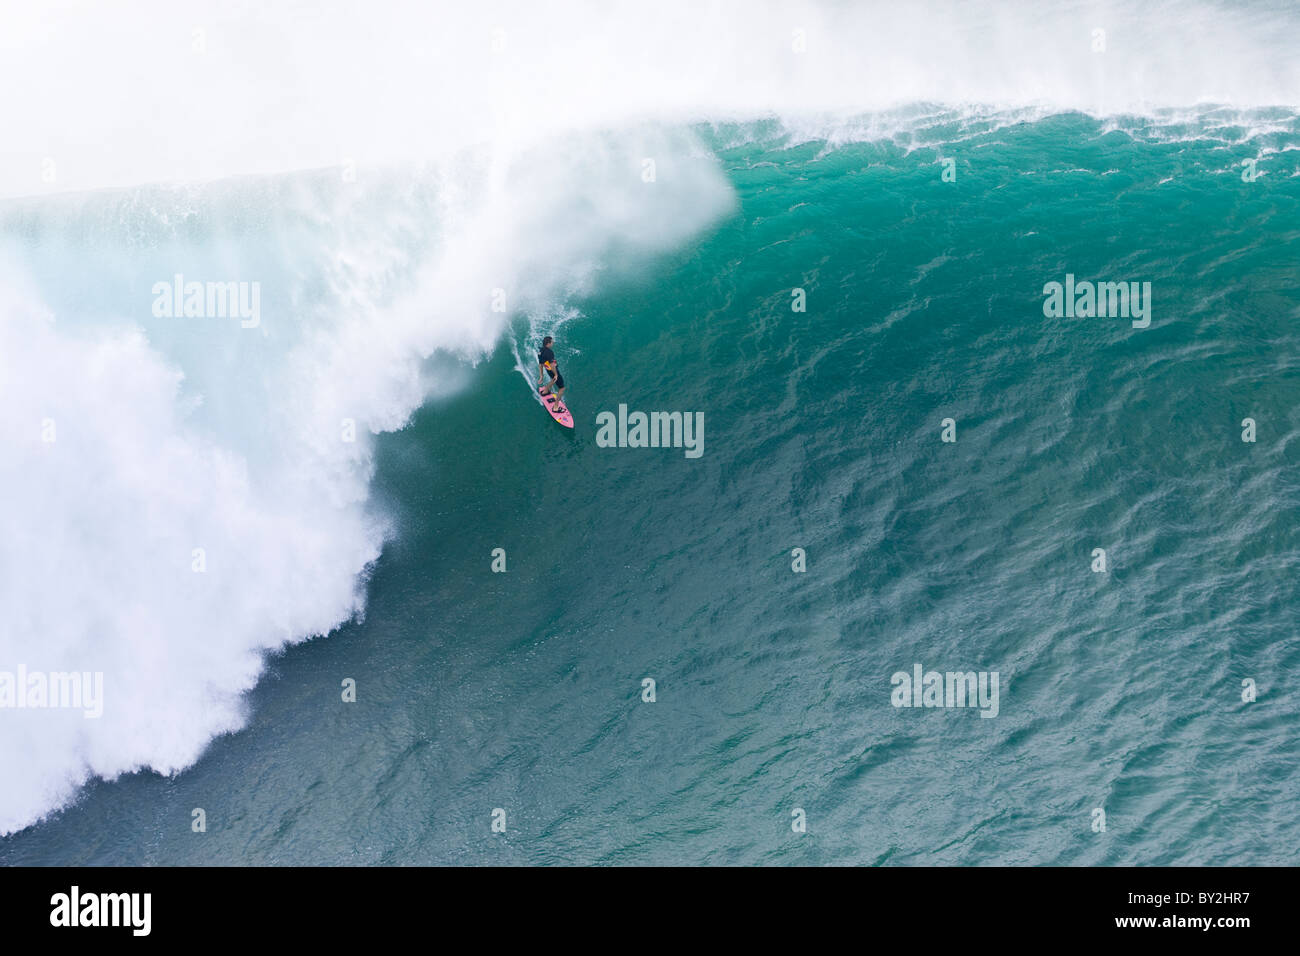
x=546, y=355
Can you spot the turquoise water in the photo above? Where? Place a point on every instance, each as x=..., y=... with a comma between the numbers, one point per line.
x=1119, y=690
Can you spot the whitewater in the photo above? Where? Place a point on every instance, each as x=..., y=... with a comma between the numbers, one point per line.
x=186, y=496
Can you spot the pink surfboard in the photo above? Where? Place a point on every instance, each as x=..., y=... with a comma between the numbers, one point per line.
x=565, y=418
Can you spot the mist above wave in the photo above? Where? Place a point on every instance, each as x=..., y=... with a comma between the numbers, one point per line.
x=202, y=90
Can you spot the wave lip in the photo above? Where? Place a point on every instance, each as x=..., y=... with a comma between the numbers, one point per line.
x=437, y=80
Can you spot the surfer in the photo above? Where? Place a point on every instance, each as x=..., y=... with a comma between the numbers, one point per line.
x=546, y=366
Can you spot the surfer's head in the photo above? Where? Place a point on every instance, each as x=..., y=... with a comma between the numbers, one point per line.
x=546, y=342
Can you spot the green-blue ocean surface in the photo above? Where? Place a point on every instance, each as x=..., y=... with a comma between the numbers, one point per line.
x=905, y=460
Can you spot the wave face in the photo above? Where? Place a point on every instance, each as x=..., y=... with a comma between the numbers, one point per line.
x=490, y=165
x=1119, y=691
